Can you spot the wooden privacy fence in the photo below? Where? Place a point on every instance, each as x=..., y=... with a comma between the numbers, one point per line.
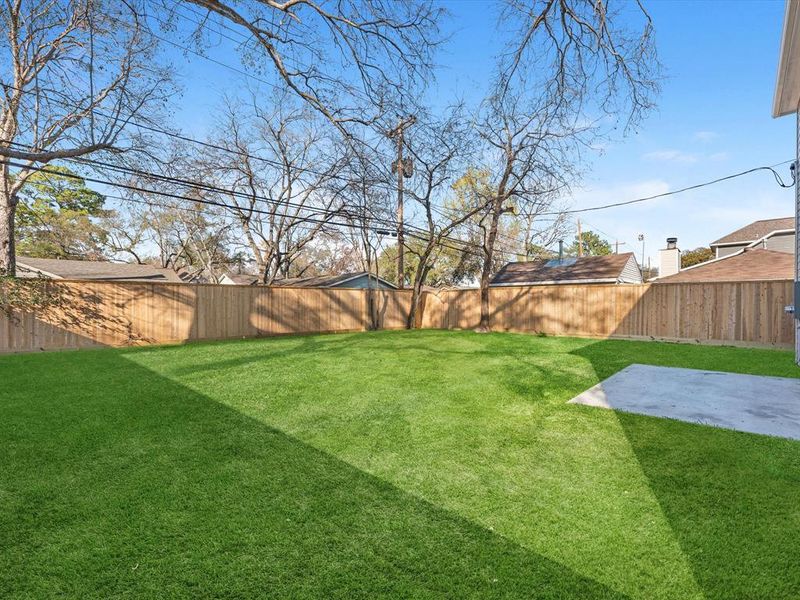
x=90, y=314
x=87, y=314
x=745, y=313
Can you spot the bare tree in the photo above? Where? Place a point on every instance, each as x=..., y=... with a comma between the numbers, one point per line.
x=368, y=196
x=74, y=74
x=571, y=73
x=441, y=150
x=346, y=59
x=276, y=171
x=192, y=239
x=127, y=235
x=174, y=213
x=537, y=233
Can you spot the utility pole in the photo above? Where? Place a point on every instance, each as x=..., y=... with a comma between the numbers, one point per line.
x=617, y=244
x=641, y=239
x=580, y=239
x=403, y=168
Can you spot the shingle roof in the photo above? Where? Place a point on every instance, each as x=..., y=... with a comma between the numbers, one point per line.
x=584, y=268
x=323, y=280
x=755, y=231
x=753, y=264
x=92, y=270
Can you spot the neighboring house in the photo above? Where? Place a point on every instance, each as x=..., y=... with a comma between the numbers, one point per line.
x=787, y=102
x=92, y=270
x=362, y=280
x=762, y=250
x=772, y=234
x=612, y=268
x=750, y=264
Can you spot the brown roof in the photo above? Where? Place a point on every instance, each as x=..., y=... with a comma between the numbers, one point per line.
x=753, y=264
x=92, y=270
x=755, y=231
x=323, y=280
x=580, y=269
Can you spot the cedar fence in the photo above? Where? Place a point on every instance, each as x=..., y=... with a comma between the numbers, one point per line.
x=740, y=313
x=91, y=314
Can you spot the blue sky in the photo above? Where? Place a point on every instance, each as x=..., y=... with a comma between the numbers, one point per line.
x=713, y=119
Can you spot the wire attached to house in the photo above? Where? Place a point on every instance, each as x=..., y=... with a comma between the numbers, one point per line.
x=770, y=168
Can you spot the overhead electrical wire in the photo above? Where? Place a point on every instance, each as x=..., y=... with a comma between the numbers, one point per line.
x=301, y=219
x=770, y=168
x=373, y=184
x=345, y=212
x=191, y=140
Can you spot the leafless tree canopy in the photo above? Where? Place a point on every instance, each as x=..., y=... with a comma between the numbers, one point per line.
x=586, y=53
x=278, y=172
x=73, y=75
x=346, y=59
x=442, y=149
x=171, y=219
x=571, y=73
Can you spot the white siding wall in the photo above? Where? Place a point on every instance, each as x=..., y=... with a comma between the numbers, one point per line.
x=631, y=273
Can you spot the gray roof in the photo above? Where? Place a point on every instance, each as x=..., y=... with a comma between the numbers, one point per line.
x=755, y=231
x=324, y=280
x=93, y=270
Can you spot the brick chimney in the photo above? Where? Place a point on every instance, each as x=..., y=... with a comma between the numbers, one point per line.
x=669, y=258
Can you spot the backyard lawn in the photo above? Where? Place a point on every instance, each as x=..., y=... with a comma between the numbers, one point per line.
x=393, y=464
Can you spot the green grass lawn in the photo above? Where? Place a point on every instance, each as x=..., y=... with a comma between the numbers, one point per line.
x=418, y=464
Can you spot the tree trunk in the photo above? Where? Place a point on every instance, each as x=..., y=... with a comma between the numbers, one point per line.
x=8, y=258
x=486, y=273
x=416, y=296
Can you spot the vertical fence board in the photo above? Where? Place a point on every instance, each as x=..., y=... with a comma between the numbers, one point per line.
x=116, y=314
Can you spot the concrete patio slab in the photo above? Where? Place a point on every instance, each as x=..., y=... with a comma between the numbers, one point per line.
x=752, y=403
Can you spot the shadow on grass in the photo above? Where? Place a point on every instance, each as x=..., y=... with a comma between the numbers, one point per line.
x=732, y=499
x=124, y=482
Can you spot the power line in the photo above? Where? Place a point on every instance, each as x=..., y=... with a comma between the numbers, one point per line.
x=273, y=162
x=770, y=168
x=166, y=194
x=346, y=212
x=239, y=153
x=300, y=219
x=250, y=197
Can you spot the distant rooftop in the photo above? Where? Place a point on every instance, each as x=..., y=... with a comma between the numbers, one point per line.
x=324, y=280
x=754, y=264
x=583, y=269
x=755, y=231
x=55, y=268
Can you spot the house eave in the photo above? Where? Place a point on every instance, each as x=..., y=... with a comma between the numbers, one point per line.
x=741, y=243
x=787, y=88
